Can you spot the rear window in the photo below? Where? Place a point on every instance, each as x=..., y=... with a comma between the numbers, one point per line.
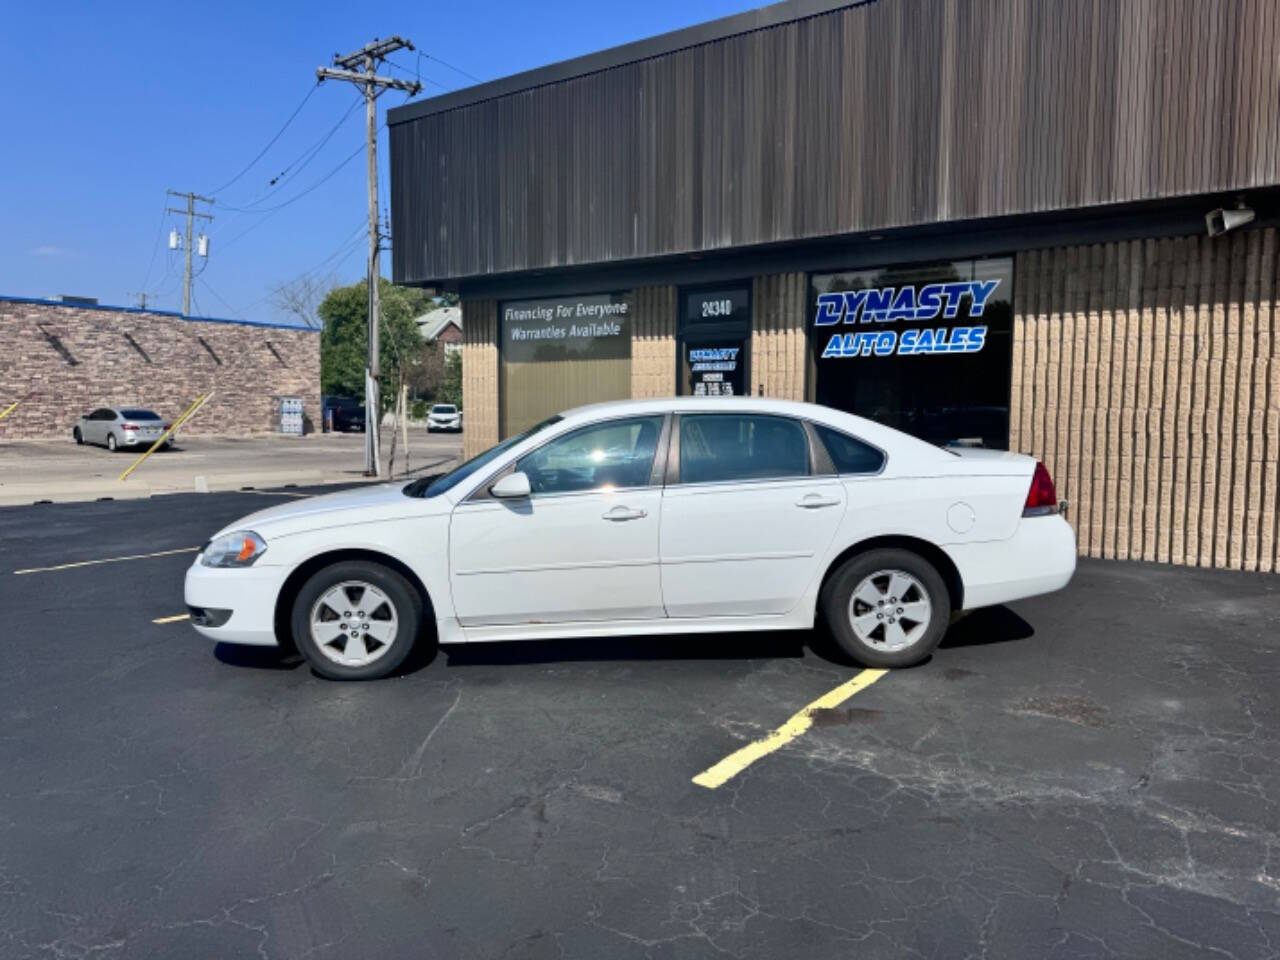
x=139, y=414
x=444, y=408
x=849, y=454
x=722, y=448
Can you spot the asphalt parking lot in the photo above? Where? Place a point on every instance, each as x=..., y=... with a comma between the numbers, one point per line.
x=1090, y=774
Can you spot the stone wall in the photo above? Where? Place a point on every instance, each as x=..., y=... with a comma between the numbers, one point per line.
x=1146, y=374
x=61, y=361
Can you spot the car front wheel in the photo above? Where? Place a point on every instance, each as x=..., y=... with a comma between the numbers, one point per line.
x=77, y=435
x=887, y=608
x=356, y=620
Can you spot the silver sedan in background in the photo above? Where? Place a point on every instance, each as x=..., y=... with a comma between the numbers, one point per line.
x=117, y=427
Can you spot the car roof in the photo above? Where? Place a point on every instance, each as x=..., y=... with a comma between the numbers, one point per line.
x=875, y=433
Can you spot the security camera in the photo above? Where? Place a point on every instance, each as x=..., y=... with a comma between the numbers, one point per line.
x=1219, y=221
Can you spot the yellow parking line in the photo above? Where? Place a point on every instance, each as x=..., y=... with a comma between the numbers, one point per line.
x=739, y=760
x=173, y=619
x=91, y=563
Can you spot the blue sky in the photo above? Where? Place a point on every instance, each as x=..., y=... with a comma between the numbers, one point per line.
x=136, y=97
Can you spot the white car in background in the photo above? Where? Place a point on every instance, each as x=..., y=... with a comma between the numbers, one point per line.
x=681, y=515
x=444, y=416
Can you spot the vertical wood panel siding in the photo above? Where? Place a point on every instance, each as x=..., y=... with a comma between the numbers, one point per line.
x=479, y=375
x=896, y=113
x=653, y=342
x=1146, y=374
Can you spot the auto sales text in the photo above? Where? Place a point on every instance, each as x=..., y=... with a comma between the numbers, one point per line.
x=890, y=304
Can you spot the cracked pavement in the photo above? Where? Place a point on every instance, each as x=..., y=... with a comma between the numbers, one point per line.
x=1092, y=774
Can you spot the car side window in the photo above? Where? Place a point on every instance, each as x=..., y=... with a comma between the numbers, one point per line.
x=849, y=454
x=722, y=447
x=618, y=453
x=102, y=413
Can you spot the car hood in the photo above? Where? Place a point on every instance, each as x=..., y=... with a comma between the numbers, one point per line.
x=368, y=504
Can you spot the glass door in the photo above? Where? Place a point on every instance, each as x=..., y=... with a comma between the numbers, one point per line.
x=715, y=335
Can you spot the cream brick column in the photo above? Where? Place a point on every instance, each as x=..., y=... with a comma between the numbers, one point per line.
x=479, y=375
x=778, y=310
x=653, y=342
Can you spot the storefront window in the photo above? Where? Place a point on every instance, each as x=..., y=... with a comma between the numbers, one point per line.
x=562, y=352
x=924, y=349
x=715, y=327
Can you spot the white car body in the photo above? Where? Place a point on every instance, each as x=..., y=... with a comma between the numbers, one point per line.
x=444, y=417
x=736, y=556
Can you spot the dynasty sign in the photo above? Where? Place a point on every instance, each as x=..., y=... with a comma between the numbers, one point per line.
x=905, y=302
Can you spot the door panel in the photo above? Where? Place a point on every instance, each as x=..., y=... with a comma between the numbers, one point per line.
x=739, y=549
x=582, y=556
x=583, y=546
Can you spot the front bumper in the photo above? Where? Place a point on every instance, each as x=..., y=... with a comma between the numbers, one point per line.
x=444, y=424
x=249, y=593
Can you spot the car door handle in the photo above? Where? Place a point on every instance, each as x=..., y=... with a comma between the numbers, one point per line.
x=815, y=501
x=625, y=513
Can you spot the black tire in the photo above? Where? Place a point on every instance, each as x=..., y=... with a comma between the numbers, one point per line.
x=837, y=597
x=111, y=442
x=405, y=600
x=78, y=436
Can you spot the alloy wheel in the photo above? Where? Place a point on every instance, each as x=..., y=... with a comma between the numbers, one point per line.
x=353, y=623
x=889, y=610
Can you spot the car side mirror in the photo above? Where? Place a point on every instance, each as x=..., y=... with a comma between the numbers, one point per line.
x=512, y=486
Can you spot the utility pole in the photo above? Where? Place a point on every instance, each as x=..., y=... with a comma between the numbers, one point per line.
x=191, y=213
x=346, y=67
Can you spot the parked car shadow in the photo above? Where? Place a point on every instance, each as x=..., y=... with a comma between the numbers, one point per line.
x=987, y=626
x=257, y=658
x=696, y=646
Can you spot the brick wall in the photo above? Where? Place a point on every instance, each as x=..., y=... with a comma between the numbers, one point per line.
x=653, y=342
x=62, y=361
x=778, y=312
x=1147, y=375
x=479, y=376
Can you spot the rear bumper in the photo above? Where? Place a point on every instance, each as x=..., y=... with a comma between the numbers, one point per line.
x=1039, y=558
x=249, y=594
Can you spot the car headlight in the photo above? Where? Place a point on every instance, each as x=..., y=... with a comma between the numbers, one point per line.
x=237, y=549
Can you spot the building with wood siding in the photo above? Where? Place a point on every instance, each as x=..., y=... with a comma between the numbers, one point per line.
x=977, y=220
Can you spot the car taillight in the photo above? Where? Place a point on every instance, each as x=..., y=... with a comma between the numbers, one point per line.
x=1041, y=498
x=128, y=426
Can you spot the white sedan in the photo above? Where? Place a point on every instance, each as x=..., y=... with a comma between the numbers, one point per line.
x=643, y=517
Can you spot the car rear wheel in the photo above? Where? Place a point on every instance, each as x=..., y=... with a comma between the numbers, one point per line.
x=356, y=620
x=111, y=442
x=887, y=608
x=79, y=437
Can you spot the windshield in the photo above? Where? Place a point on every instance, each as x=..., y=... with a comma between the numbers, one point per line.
x=434, y=486
x=444, y=408
x=139, y=415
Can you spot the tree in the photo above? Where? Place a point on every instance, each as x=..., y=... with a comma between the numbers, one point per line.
x=451, y=389
x=344, y=339
x=300, y=298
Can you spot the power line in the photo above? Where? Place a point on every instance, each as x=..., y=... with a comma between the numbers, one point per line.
x=156, y=248
x=416, y=74
x=269, y=211
x=270, y=143
x=235, y=314
x=469, y=76
x=306, y=156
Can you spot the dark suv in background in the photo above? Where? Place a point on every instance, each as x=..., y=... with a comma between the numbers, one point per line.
x=343, y=413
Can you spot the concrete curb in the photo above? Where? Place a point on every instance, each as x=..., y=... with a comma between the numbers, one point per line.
x=71, y=491
x=82, y=491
